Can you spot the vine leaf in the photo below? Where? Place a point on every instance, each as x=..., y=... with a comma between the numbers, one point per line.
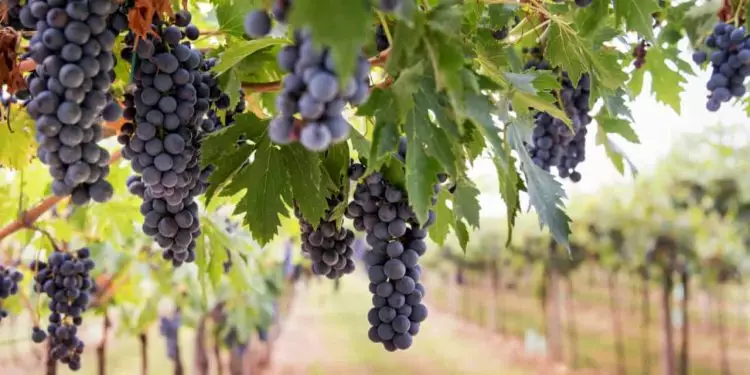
x=230, y=15
x=618, y=126
x=345, y=36
x=466, y=203
x=421, y=170
x=239, y=51
x=221, y=149
x=568, y=50
x=17, y=144
x=479, y=110
x=637, y=15
x=306, y=180
x=545, y=193
x=462, y=233
x=266, y=186
x=664, y=79
x=444, y=218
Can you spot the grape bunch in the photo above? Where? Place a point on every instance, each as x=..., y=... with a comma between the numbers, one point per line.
x=311, y=89
x=554, y=144
x=398, y=240
x=730, y=61
x=168, y=113
x=9, y=279
x=329, y=248
x=72, y=48
x=169, y=329
x=65, y=278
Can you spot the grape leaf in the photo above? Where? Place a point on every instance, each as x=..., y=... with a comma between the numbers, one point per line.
x=545, y=193
x=462, y=233
x=573, y=54
x=221, y=150
x=266, y=182
x=637, y=15
x=303, y=168
x=618, y=126
x=17, y=144
x=434, y=138
x=345, y=36
x=664, y=80
x=385, y=140
x=230, y=15
x=444, y=217
x=479, y=110
x=231, y=57
x=421, y=171
x=465, y=202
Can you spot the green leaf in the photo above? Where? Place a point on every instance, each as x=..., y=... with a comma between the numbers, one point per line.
x=303, y=168
x=385, y=140
x=466, y=202
x=231, y=85
x=231, y=15
x=345, y=35
x=239, y=51
x=444, y=218
x=545, y=193
x=336, y=163
x=17, y=145
x=266, y=182
x=666, y=84
x=479, y=109
x=462, y=233
x=568, y=50
x=421, y=173
x=434, y=138
x=637, y=15
x=618, y=126
x=221, y=150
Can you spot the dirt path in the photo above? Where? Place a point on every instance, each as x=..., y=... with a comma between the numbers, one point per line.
x=325, y=333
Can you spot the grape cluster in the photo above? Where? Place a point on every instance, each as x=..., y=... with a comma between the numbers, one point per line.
x=169, y=329
x=397, y=240
x=554, y=143
x=9, y=279
x=329, y=248
x=730, y=61
x=66, y=279
x=312, y=89
x=169, y=112
x=72, y=48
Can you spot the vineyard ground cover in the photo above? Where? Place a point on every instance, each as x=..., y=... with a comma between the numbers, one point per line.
x=519, y=310
x=333, y=321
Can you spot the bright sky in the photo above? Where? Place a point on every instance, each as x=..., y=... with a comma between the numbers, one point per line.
x=658, y=127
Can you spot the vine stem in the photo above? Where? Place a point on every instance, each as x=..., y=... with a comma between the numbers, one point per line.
x=740, y=9
x=378, y=60
x=32, y=215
